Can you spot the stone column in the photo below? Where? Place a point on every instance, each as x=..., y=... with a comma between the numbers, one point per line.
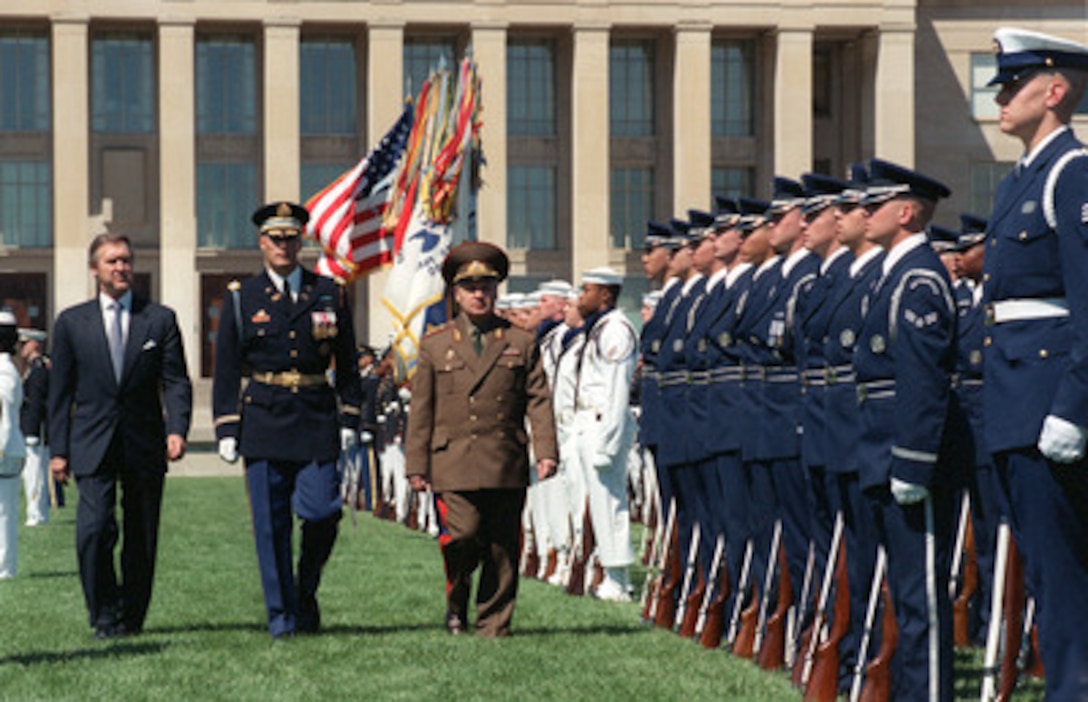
x=793, y=131
x=489, y=50
x=894, y=95
x=281, y=109
x=180, y=283
x=71, y=148
x=590, y=192
x=691, y=117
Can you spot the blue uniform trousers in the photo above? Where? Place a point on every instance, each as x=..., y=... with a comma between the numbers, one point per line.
x=312, y=490
x=859, y=533
x=918, y=572
x=732, y=503
x=762, y=512
x=1050, y=520
x=792, y=505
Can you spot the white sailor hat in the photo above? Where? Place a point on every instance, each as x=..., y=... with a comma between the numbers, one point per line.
x=7, y=318
x=509, y=301
x=560, y=288
x=31, y=335
x=651, y=299
x=529, y=300
x=602, y=276
x=1021, y=51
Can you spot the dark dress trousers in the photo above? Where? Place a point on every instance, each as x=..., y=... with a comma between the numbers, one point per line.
x=114, y=431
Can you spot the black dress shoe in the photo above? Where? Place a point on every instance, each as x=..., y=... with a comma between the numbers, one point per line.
x=110, y=631
x=309, y=616
x=454, y=624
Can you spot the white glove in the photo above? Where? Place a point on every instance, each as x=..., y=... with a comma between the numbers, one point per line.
x=348, y=439
x=228, y=449
x=908, y=493
x=366, y=437
x=602, y=461
x=405, y=394
x=32, y=441
x=1061, y=441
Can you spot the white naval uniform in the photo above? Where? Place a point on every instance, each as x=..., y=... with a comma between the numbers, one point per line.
x=555, y=511
x=12, y=454
x=604, y=431
x=570, y=475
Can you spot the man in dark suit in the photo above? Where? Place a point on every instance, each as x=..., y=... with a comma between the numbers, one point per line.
x=283, y=328
x=477, y=380
x=117, y=360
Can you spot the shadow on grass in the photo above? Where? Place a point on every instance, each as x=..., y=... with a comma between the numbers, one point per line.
x=54, y=574
x=111, y=650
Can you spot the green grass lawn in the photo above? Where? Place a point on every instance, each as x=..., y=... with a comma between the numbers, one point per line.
x=383, y=637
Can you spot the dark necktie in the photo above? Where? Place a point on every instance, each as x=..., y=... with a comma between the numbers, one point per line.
x=117, y=341
x=287, y=290
x=477, y=340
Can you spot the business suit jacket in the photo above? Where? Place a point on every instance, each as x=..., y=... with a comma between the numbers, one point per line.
x=466, y=427
x=87, y=405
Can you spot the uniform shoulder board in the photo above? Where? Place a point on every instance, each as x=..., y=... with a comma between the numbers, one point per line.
x=434, y=331
x=234, y=285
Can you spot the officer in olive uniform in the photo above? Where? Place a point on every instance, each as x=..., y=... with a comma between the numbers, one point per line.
x=283, y=329
x=1036, y=351
x=477, y=380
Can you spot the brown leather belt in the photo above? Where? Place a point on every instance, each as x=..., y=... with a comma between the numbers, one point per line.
x=290, y=379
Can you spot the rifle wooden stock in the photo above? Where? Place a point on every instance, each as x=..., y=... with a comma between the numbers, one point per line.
x=580, y=558
x=691, y=607
x=713, y=576
x=744, y=644
x=870, y=622
x=742, y=588
x=878, y=674
x=997, y=598
x=552, y=563
x=666, y=599
x=802, y=668
x=651, y=591
x=961, y=621
x=1034, y=664
x=691, y=576
x=1015, y=599
x=773, y=649
x=822, y=684
x=650, y=532
x=714, y=623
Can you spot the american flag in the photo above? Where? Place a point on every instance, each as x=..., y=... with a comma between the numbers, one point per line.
x=346, y=217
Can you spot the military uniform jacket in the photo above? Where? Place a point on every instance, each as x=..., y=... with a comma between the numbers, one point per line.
x=603, y=386
x=775, y=329
x=32, y=417
x=904, y=360
x=752, y=306
x=564, y=386
x=1038, y=367
x=967, y=381
x=813, y=319
x=717, y=407
x=844, y=310
x=650, y=345
x=673, y=379
x=466, y=430
x=274, y=335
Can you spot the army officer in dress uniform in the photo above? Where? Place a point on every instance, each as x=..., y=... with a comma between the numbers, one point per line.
x=477, y=380
x=282, y=329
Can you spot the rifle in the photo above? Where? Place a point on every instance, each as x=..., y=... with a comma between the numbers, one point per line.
x=796, y=617
x=1014, y=631
x=768, y=583
x=714, y=617
x=737, y=616
x=961, y=624
x=878, y=675
x=823, y=684
x=652, y=585
x=1029, y=660
x=691, y=572
x=651, y=528
x=665, y=611
x=870, y=620
x=993, y=634
x=350, y=472
x=580, y=557
x=714, y=584
x=834, y=558
x=773, y=648
x=958, y=546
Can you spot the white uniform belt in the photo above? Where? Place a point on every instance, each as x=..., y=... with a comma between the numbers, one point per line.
x=781, y=375
x=1020, y=310
x=672, y=378
x=876, y=390
x=726, y=374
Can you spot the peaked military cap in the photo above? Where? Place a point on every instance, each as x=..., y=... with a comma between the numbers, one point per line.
x=681, y=232
x=475, y=260
x=753, y=213
x=972, y=230
x=657, y=234
x=788, y=193
x=821, y=191
x=727, y=214
x=701, y=222
x=287, y=217
x=888, y=180
x=942, y=239
x=1021, y=51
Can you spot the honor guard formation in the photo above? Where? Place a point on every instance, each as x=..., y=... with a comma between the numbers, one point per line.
x=854, y=439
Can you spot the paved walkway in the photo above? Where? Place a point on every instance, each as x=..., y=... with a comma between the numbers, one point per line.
x=202, y=462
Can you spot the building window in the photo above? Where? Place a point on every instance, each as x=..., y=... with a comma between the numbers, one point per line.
x=25, y=83
x=327, y=84
x=631, y=87
x=424, y=54
x=732, y=87
x=24, y=294
x=530, y=88
x=226, y=193
x=226, y=85
x=228, y=141
x=530, y=207
x=122, y=83
x=632, y=201
x=26, y=204
x=731, y=182
x=985, y=178
x=983, y=68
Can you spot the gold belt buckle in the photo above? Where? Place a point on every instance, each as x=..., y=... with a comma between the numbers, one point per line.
x=290, y=379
